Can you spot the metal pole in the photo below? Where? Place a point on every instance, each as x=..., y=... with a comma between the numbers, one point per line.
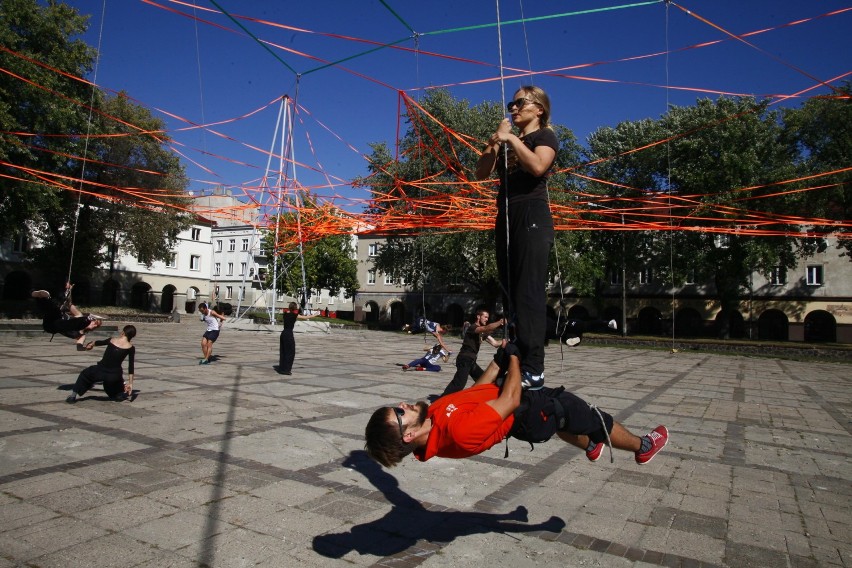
x=623, y=280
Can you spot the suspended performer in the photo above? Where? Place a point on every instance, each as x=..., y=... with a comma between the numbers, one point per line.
x=286, y=341
x=108, y=369
x=437, y=330
x=65, y=319
x=572, y=335
x=468, y=422
x=524, y=225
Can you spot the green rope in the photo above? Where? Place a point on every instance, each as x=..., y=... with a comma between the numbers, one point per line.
x=591, y=11
x=397, y=16
x=254, y=37
x=339, y=61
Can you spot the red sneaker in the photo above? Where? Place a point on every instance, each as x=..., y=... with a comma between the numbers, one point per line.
x=659, y=437
x=419, y=368
x=595, y=453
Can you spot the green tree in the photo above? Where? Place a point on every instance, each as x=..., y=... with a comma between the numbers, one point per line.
x=820, y=132
x=690, y=188
x=130, y=192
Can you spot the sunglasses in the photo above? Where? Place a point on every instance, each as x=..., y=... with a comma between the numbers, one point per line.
x=399, y=412
x=519, y=103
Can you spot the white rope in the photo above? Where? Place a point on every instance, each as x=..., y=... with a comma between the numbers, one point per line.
x=86, y=143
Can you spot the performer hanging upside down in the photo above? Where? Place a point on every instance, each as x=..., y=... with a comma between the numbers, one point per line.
x=108, y=370
x=468, y=422
x=65, y=319
x=572, y=335
x=428, y=362
x=433, y=327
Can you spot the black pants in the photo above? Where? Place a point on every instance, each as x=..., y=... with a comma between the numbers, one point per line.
x=523, y=274
x=53, y=322
x=465, y=367
x=286, y=351
x=111, y=378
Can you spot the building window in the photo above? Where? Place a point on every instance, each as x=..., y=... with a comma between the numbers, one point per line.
x=645, y=276
x=242, y=293
x=722, y=241
x=232, y=245
x=331, y=300
x=689, y=278
x=217, y=269
x=778, y=276
x=218, y=245
x=195, y=262
x=216, y=293
x=196, y=234
x=242, y=269
x=245, y=244
x=229, y=292
x=371, y=277
x=373, y=249
x=614, y=277
x=230, y=269
x=388, y=279
x=172, y=261
x=21, y=244
x=815, y=275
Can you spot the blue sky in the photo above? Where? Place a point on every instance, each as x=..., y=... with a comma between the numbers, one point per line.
x=211, y=70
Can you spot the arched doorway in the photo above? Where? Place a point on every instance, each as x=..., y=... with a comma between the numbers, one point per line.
x=455, y=316
x=371, y=311
x=191, y=299
x=167, y=299
x=730, y=325
x=773, y=325
x=397, y=314
x=688, y=323
x=139, y=296
x=109, y=293
x=17, y=285
x=649, y=321
x=821, y=327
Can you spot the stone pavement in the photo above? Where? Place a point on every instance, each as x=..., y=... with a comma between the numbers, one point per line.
x=231, y=464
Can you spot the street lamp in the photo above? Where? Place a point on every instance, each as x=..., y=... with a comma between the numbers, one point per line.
x=623, y=270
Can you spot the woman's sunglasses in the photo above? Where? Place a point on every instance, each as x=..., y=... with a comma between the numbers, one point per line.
x=519, y=103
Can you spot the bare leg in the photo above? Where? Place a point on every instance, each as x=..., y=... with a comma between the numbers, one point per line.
x=621, y=439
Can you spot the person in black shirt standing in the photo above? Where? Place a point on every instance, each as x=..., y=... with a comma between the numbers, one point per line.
x=286, y=341
x=472, y=336
x=524, y=226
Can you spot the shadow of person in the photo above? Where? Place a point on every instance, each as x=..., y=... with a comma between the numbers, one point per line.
x=409, y=522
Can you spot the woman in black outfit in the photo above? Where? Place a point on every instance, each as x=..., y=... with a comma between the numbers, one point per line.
x=108, y=370
x=524, y=225
x=287, y=343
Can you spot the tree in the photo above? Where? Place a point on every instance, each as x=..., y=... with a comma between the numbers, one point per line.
x=691, y=188
x=130, y=190
x=821, y=135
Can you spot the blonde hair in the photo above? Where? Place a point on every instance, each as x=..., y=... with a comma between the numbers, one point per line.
x=539, y=97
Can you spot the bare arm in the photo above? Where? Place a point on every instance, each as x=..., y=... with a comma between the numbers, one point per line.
x=510, y=394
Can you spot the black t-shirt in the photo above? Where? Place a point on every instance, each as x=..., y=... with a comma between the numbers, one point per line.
x=288, y=319
x=522, y=184
x=471, y=341
x=114, y=356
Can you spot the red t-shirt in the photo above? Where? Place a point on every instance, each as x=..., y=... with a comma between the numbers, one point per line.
x=463, y=425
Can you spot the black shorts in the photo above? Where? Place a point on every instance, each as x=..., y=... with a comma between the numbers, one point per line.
x=211, y=336
x=580, y=418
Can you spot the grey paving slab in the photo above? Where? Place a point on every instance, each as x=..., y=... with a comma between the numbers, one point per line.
x=231, y=464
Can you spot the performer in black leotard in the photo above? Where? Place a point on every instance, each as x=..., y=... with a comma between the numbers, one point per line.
x=108, y=370
x=65, y=320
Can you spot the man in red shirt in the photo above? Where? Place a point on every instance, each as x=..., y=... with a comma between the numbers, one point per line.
x=468, y=422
